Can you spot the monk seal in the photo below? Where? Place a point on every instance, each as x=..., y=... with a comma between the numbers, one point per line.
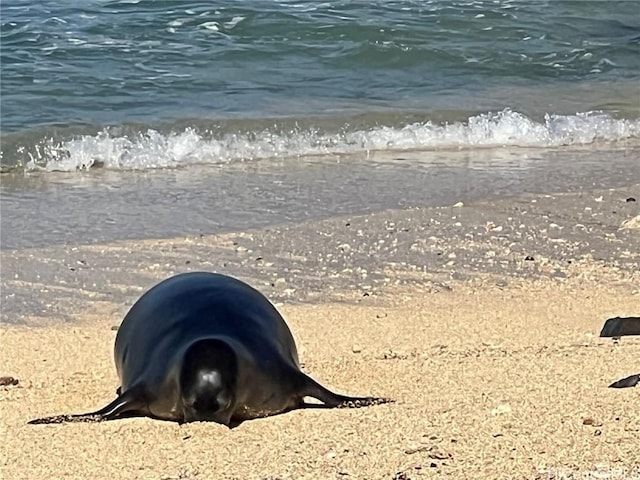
x=207, y=347
x=617, y=327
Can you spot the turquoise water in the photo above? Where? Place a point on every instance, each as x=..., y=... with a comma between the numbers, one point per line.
x=137, y=84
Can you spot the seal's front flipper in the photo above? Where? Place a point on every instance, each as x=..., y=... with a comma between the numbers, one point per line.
x=630, y=381
x=335, y=400
x=130, y=402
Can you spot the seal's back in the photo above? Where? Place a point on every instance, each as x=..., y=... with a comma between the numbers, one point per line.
x=193, y=306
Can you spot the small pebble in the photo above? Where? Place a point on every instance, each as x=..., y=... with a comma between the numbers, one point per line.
x=591, y=422
x=8, y=381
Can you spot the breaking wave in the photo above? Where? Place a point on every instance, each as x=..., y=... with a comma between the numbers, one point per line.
x=151, y=149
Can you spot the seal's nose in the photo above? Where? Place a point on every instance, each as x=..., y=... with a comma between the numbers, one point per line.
x=221, y=416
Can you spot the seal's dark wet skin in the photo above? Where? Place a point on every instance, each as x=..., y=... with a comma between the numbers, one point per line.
x=207, y=347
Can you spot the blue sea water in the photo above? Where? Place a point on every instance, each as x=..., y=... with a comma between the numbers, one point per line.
x=141, y=84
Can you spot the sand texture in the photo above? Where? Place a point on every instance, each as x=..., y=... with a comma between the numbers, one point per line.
x=496, y=369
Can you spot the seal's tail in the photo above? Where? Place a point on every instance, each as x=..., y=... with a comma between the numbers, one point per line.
x=127, y=402
x=334, y=400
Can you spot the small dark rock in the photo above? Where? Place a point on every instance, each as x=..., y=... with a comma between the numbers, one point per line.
x=115, y=328
x=529, y=258
x=630, y=199
x=437, y=455
x=401, y=476
x=8, y=381
x=187, y=262
x=621, y=326
x=591, y=422
x=630, y=381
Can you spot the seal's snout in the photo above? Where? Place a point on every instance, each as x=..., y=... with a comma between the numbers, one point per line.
x=207, y=393
x=208, y=399
x=207, y=376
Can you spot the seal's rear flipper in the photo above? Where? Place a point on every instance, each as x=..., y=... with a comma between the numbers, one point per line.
x=630, y=381
x=129, y=402
x=334, y=400
x=621, y=326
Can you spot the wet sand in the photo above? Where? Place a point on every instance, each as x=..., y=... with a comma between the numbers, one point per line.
x=103, y=206
x=480, y=320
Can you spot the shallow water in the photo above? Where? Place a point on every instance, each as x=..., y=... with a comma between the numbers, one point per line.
x=63, y=208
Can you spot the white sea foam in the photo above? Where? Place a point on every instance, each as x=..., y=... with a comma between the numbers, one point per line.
x=233, y=22
x=151, y=149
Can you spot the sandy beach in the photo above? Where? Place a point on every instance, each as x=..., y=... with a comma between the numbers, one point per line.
x=441, y=198
x=481, y=320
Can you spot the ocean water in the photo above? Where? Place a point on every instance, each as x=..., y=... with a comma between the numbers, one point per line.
x=103, y=97
x=137, y=84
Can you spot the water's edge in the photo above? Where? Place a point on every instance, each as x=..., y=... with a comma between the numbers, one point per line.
x=102, y=206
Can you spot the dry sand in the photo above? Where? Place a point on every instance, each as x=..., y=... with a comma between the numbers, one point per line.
x=488, y=382
x=492, y=378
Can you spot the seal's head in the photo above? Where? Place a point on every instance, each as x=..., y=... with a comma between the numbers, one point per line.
x=207, y=381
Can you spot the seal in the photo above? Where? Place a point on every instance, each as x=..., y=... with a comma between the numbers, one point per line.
x=617, y=327
x=207, y=347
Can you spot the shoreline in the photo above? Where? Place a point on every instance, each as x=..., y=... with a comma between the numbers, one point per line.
x=104, y=206
x=562, y=237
